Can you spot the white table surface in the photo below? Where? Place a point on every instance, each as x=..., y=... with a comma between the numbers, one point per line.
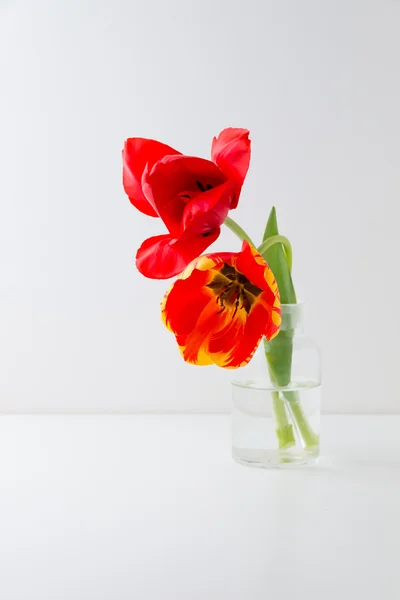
x=153, y=508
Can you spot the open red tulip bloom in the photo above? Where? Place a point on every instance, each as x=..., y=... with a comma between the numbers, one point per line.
x=191, y=195
x=221, y=306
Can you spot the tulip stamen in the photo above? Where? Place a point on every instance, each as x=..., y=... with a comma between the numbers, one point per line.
x=236, y=308
x=200, y=186
x=203, y=188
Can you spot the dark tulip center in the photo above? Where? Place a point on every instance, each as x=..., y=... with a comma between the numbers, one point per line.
x=233, y=290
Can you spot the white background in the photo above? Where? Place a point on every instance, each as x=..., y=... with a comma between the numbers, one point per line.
x=317, y=83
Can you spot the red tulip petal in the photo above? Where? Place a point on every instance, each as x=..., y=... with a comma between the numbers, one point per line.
x=231, y=152
x=176, y=181
x=137, y=153
x=255, y=268
x=207, y=210
x=194, y=347
x=185, y=301
x=227, y=341
x=247, y=339
x=163, y=256
x=207, y=262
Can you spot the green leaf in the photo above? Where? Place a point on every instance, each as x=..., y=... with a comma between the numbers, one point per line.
x=276, y=258
x=279, y=350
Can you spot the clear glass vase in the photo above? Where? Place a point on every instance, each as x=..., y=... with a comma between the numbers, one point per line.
x=277, y=399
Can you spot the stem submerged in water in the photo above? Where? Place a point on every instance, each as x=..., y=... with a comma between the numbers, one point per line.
x=310, y=438
x=279, y=358
x=284, y=429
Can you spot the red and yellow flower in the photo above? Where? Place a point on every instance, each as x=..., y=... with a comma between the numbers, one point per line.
x=221, y=306
x=191, y=195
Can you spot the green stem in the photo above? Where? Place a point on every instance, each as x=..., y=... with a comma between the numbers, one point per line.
x=278, y=239
x=284, y=429
x=310, y=438
x=237, y=230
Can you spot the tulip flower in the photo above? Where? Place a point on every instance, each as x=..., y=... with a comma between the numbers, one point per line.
x=221, y=306
x=191, y=195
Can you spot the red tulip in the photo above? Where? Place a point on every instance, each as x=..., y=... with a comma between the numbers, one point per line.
x=221, y=306
x=191, y=195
